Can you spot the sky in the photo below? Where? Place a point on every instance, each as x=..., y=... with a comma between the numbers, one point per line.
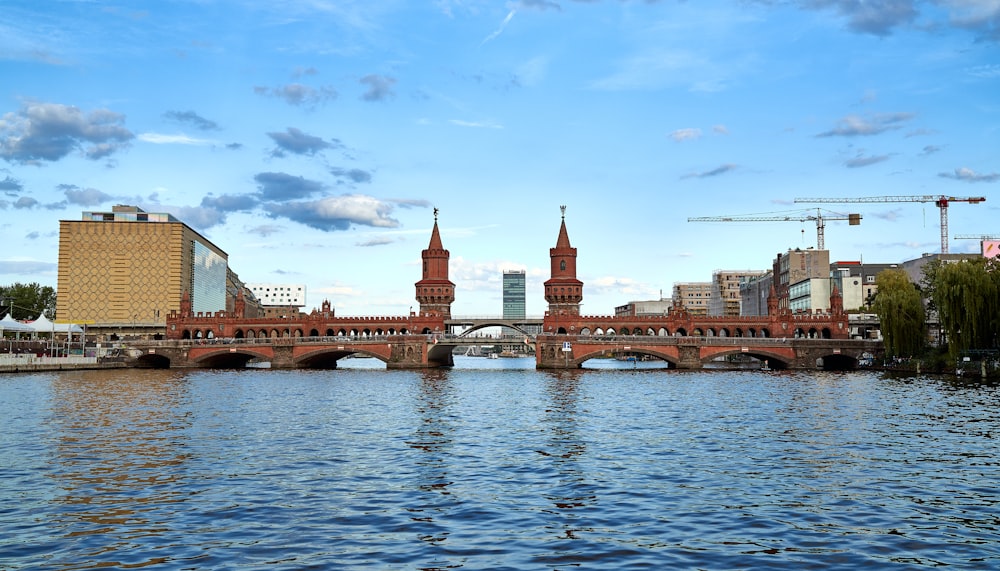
x=311, y=140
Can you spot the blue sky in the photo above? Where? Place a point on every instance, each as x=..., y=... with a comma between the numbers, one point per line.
x=311, y=139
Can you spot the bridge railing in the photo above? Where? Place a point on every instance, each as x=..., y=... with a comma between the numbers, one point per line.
x=699, y=340
x=451, y=339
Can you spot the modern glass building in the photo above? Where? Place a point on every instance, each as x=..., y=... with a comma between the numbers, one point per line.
x=513, y=294
x=123, y=271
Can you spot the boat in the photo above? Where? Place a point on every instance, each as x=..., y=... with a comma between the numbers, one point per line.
x=493, y=356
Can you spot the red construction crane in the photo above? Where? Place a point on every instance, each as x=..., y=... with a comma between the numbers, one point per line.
x=941, y=202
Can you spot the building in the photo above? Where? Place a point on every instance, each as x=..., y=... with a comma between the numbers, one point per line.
x=693, y=297
x=234, y=287
x=278, y=299
x=514, y=294
x=915, y=268
x=122, y=272
x=660, y=306
x=856, y=282
x=754, y=293
x=811, y=295
x=795, y=266
x=725, y=300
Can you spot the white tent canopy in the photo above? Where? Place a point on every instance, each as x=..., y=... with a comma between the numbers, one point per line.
x=9, y=324
x=44, y=325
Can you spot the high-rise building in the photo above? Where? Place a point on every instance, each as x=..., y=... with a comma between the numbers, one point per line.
x=125, y=270
x=513, y=294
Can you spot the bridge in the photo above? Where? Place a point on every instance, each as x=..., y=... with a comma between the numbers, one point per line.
x=470, y=324
x=562, y=338
x=551, y=351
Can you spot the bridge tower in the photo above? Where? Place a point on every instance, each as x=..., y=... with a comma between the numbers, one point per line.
x=435, y=292
x=562, y=290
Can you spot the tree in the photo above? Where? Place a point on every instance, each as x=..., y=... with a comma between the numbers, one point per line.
x=900, y=310
x=27, y=301
x=967, y=297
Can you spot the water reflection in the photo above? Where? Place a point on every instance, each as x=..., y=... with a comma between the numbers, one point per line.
x=569, y=489
x=116, y=462
x=434, y=438
x=496, y=469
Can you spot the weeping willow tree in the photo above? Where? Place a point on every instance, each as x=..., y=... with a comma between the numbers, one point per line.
x=900, y=310
x=966, y=295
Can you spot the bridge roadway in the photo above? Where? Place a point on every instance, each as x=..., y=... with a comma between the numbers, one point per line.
x=551, y=351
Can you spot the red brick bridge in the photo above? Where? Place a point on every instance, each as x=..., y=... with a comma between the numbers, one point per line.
x=421, y=339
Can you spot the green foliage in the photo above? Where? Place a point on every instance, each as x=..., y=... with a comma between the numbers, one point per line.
x=901, y=313
x=966, y=295
x=27, y=301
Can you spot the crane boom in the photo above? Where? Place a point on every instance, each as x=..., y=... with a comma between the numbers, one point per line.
x=854, y=220
x=940, y=201
x=976, y=236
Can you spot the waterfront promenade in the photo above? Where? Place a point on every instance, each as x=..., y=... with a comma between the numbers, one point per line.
x=29, y=362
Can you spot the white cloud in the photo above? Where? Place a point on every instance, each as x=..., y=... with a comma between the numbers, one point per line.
x=164, y=139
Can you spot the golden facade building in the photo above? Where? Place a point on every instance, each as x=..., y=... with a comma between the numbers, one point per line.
x=694, y=297
x=122, y=272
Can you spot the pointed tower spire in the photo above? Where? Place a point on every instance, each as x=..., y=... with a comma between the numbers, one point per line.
x=435, y=292
x=772, y=301
x=562, y=290
x=836, y=301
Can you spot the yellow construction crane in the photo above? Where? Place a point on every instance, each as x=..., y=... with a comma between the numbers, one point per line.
x=940, y=201
x=853, y=220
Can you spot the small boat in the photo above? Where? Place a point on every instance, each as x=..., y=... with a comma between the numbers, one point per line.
x=493, y=356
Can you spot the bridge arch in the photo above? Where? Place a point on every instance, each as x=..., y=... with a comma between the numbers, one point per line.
x=498, y=323
x=152, y=361
x=772, y=359
x=229, y=357
x=670, y=362
x=327, y=358
x=837, y=362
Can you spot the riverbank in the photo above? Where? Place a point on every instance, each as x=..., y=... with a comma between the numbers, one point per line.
x=27, y=363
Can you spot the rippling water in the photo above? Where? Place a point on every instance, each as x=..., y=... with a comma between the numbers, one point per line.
x=478, y=468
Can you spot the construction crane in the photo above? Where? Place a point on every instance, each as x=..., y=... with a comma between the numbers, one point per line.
x=853, y=220
x=987, y=250
x=979, y=237
x=941, y=202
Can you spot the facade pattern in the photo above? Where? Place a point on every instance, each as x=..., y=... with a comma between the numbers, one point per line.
x=119, y=273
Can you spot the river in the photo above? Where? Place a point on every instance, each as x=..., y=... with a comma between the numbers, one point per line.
x=494, y=465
